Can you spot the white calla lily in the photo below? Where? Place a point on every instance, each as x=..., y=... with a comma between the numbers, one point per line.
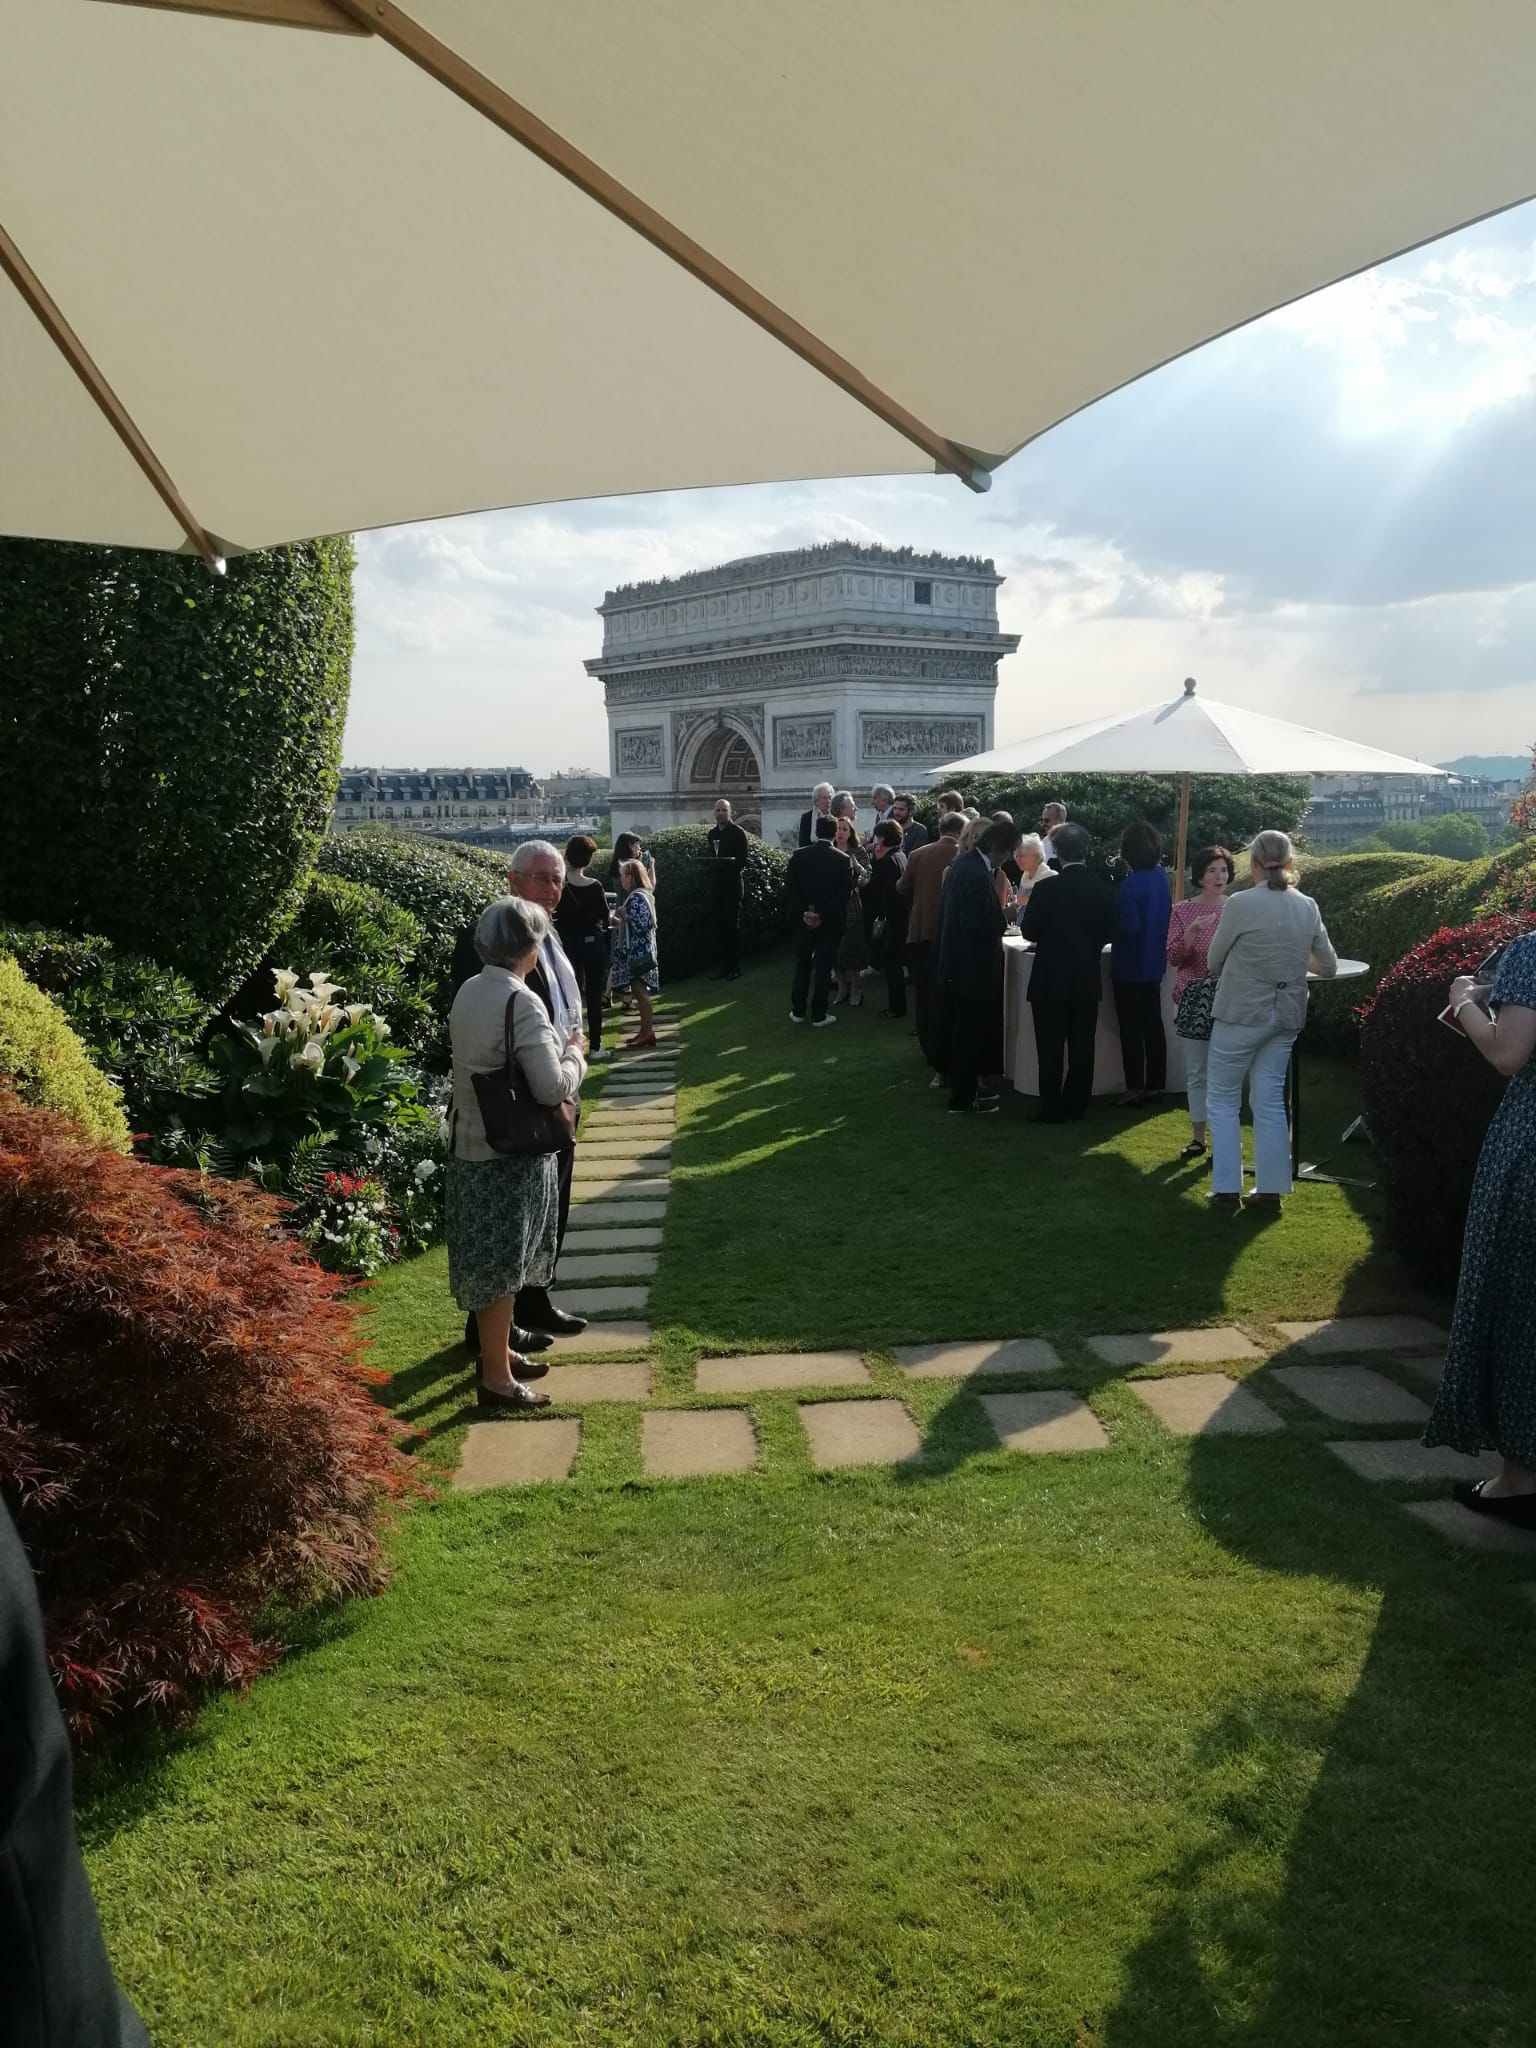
x=356, y=1012
x=265, y=1048
x=311, y=1055
x=350, y=1067
x=381, y=1026
x=286, y=981
x=321, y=989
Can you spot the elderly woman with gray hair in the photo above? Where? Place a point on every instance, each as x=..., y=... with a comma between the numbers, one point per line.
x=503, y=1211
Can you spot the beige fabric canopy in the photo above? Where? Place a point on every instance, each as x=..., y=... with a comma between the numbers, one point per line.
x=263, y=282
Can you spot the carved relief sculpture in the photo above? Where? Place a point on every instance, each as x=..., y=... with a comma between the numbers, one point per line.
x=801, y=740
x=640, y=753
x=883, y=738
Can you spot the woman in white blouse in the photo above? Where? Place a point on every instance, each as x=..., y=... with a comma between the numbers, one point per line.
x=502, y=1213
x=1268, y=938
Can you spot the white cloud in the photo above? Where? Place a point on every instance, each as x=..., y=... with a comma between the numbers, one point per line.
x=1331, y=511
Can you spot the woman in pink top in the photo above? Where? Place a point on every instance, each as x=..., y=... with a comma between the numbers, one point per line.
x=1191, y=928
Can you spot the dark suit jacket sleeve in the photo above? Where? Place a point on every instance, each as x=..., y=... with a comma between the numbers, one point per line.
x=805, y=828
x=466, y=961
x=794, y=895
x=56, y=1984
x=1035, y=918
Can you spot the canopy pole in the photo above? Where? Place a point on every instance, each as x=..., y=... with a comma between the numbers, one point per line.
x=63, y=336
x=448, y=68
x=1182, y=865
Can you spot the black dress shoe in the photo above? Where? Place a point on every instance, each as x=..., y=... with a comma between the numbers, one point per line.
x=538, y=1312
x=528, y=1340
x=1518, y=1509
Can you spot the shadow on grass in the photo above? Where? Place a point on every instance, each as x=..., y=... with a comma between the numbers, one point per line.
x=1409, y=1894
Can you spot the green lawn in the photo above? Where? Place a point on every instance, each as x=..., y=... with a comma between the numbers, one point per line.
x=1169, y=1743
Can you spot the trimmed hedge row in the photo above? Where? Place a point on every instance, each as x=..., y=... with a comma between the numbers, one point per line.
x=49, y=1068
x=1379, y=906
x=686, y=881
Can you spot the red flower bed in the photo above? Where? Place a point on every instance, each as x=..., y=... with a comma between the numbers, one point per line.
x=1429, y=1095
x=187, y=1439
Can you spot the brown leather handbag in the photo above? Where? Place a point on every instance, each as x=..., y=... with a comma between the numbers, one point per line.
x=516, y=1123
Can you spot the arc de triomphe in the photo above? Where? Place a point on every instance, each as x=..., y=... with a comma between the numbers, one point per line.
x=844, y=664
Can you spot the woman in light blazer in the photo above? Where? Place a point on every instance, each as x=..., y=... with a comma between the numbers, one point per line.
x=503, y=1213
x=1268, y=937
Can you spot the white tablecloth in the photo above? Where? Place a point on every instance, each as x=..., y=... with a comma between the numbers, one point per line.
x=1020, y=1064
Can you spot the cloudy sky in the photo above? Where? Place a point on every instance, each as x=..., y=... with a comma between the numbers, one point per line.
x=1330, y=515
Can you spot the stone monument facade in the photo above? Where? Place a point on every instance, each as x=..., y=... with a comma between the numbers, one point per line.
x=844, y=664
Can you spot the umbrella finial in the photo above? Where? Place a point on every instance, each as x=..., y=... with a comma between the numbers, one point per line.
x=1189, y=686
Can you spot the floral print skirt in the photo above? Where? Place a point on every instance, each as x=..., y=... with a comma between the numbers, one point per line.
x=502, y=1219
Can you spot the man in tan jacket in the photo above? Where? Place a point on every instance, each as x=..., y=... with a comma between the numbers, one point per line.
x=924, y=878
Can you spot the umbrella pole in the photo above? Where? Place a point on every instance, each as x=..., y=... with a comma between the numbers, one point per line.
x=1182, y=863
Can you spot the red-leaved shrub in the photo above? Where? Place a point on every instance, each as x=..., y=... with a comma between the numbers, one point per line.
x=1429, y=1095
x=187, y=1439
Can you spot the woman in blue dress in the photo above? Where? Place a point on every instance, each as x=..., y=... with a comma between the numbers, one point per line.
x=1487, y=1400
x=635, y=963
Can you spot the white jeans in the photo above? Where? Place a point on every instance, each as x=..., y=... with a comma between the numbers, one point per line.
x=1262, y=1052
x=1197, y=1052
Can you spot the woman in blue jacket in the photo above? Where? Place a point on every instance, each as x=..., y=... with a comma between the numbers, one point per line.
x=1138, y=961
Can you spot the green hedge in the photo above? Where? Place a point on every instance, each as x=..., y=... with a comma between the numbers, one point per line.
x=1379, y=906
x=441, y=888
x=187, y=730
x=365, y=943
x=141, y=1024
x=685, y=899
x=47, y=1064
x=1224, y=810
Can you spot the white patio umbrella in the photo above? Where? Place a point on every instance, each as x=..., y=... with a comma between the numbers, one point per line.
x=258, y=282
x=1192, y=735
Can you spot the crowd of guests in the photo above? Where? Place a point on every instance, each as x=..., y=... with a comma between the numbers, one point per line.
x=932, y=915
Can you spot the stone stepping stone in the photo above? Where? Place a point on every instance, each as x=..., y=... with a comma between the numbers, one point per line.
x=1429, y=1372
x=602, y=1216
x=684, y=1443
x=619, y=1265
x=517, y=1452
x=627, y=1146
x=1051, y=1420
x=1175, y=1347
x=965, y=1361
x=600, y=1301
x=1409, y=1460
x=1205, y=1404
x=859, y=1433
x=1342, y=1334
x=624, y=1131
x=1351, y=1393
x=613, y=1189
x=584, y=1383
x=1471, y=1530
x=600, y=1337
x=768, y=1371
x=627, y=1166
x=608, y=1243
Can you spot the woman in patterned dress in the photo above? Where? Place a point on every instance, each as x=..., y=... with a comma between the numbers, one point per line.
x=503, y=1212
x=1487, y=1399
x=853, y=950
x=634, y=947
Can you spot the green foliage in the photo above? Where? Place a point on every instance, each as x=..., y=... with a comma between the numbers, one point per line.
x=1379, y=906
x=1224, y=810
x=685, y=899
x=305, y=1086
x=47, y=1065
x=1459, y=835
x=186, y=727
x=368, y=946
x=142, y=1024
x=442, y=888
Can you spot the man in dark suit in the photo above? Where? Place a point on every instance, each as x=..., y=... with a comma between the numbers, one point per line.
x=537, y=872
x=817, y=885
x=58, y=1990
x=728, y=849
x=821, y=807
x=970, y=971
x=1069, y=922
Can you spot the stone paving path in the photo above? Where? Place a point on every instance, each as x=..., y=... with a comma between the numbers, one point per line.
x=622, y=1178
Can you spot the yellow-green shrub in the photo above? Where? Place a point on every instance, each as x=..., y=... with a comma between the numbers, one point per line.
x=48, y=1065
